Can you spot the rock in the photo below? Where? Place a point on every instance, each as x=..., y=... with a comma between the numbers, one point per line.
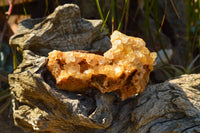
x=124, y=68
x=39, y=106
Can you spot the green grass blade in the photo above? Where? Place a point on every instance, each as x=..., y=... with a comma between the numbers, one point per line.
x=101, y=15
x=104, y=22
x=123, y=13
x=25, y=12
x=177, y=70
x=179, y=67
x=4, y=6
x=99, y=10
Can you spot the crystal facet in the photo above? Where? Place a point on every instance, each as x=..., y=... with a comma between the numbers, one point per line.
x=123, y=69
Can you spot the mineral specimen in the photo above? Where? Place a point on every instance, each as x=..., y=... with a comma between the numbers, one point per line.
x=123, y=69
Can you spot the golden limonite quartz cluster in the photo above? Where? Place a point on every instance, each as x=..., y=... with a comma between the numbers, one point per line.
x=123, y=69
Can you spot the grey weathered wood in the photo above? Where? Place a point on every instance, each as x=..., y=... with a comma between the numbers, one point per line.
x=172, y=106
x=63, y=30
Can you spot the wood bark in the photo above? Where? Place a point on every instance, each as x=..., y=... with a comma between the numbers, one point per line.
x=172, y=106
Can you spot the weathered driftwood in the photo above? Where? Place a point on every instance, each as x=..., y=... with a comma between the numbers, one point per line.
x=172, y=106
x=63, y=30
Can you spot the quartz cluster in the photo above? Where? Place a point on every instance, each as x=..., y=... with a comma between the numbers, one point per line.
x=123, y=69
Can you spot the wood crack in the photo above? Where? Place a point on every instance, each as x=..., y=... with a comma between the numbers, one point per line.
x=189, y=128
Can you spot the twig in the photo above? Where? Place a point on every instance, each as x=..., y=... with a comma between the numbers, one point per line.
x=11, y=4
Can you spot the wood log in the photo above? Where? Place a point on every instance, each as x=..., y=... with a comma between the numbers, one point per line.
x=39, y=106
x=172, y=106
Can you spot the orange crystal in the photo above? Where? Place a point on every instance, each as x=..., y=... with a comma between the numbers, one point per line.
x=124, y=68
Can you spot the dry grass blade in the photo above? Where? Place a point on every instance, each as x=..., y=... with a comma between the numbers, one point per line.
x=174, y=9
x=163, y=19
x=113, y=14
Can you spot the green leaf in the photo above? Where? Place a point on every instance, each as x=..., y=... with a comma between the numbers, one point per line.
x=24, y=8
x=177, y=70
